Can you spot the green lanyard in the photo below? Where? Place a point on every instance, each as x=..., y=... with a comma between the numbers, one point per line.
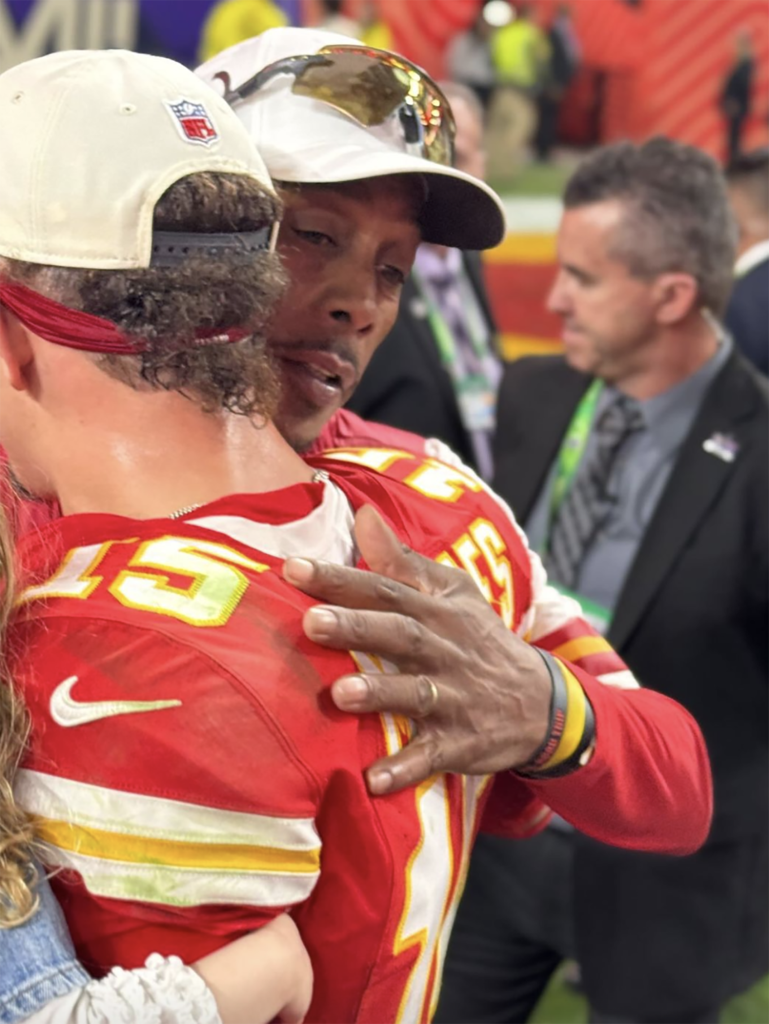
x=573, y=448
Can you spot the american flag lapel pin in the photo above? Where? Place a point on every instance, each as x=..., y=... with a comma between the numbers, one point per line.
x=723, y=446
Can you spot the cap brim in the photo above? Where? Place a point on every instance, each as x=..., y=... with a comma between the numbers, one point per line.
x=459, y=211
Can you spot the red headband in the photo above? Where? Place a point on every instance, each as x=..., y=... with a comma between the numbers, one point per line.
x=64, y=326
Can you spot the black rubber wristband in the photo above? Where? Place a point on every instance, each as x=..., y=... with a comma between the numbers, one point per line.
x=559, y=706
x=571, y=764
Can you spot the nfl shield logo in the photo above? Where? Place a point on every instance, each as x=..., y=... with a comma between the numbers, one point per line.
x=193, y=122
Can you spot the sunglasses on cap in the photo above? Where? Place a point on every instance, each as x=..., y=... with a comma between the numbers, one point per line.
x=371, y=87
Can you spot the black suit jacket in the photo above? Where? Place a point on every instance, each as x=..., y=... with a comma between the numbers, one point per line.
x=747, y=316
x=405, y=384
x=692, y=622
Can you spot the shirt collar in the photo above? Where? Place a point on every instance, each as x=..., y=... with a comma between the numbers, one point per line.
x=751, y=258
x=668, y=417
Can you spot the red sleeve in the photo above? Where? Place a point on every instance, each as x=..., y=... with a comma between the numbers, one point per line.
x=648, y=785
x=513, y=810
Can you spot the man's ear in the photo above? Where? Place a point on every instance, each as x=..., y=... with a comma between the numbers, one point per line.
x=676, y=296
x=16, y=353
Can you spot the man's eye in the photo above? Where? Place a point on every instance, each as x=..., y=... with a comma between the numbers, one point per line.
x=314, y=237
x=393, y=275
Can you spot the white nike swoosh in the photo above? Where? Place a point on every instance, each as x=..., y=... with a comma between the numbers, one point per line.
x=68, y=712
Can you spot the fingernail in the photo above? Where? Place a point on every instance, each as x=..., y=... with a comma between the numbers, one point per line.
x=321, y=622
x=350, y=690
x=379, y=781
x=298, y=570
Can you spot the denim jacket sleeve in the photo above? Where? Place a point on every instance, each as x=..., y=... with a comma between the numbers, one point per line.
x=37, y=961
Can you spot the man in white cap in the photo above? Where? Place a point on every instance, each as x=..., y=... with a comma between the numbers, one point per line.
x=339, y=127
x=211, y=767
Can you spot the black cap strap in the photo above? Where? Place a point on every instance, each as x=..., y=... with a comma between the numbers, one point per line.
x=170, y=248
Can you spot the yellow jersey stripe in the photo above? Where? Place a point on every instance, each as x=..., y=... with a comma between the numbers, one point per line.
x=573, y=650
x=183, y=887
x=94, y=842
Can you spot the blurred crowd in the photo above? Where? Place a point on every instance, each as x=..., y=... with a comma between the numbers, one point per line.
x=520, y=72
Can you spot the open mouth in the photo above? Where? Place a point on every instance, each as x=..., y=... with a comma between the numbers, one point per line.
x=326, y=367
x=333, y=380
x=314, y=378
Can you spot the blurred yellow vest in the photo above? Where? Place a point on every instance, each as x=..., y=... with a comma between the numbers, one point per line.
x=377, y=35
x=519, y=52
x=232, y=21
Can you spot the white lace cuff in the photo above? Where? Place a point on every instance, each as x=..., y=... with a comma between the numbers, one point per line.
x=164, y=991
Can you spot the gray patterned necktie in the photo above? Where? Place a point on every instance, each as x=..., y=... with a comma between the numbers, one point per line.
x=588, y=502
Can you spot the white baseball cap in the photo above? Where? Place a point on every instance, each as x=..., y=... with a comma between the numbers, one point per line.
x=306, y=140
x=92, y=140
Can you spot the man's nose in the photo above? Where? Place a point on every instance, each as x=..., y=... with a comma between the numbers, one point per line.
x=558, y=297
x=354, y=302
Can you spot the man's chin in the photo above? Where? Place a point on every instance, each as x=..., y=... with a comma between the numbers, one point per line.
x=302, y=432
x=580, y=357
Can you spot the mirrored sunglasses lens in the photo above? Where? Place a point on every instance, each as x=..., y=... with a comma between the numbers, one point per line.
x=371, y=90
x=367, y=91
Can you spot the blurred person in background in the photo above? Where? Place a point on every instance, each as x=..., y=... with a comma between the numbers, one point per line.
x=230, y=21
x=332, y=19
x=437, y=371
x=736, y=97
x=565, y=56
x=374, y=29
x=638, y=462
x=468, y=58
x=747, y=316
x=520, y=53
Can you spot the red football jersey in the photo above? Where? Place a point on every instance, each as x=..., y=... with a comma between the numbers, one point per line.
x=190, y=770
x=209, y=783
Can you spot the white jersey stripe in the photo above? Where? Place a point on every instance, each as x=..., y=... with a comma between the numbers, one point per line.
x=151, y=817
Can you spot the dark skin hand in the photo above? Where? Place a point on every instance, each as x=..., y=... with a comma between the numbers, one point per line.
x=480, y=696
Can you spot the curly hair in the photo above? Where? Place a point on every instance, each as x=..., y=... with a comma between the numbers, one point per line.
x=168, y=307
x=677, y=212
x=18, y=901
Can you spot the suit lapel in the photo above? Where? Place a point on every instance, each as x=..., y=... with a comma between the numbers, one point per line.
x=695, y=483
x=529, y=435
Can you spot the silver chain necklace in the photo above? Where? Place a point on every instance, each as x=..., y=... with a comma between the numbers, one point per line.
x=320, y=476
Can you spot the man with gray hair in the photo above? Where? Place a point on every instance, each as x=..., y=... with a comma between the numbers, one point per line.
x=638, y=464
